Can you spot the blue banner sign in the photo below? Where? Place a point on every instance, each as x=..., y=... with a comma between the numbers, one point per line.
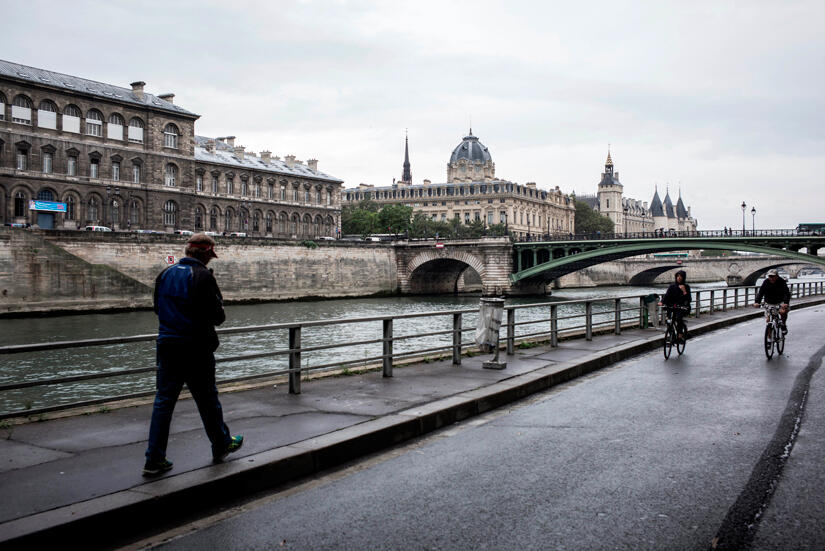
x=52, y=206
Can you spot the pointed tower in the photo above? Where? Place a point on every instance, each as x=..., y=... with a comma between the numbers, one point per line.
x=610, y=195
x=658, y=212
x=406, y=177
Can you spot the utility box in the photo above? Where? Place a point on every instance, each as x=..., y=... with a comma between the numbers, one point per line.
x=650, y=314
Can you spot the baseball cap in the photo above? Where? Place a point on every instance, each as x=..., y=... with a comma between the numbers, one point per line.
x=772, y=272
x=203, y=242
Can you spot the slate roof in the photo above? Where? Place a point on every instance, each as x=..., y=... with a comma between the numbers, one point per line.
x=668, y=205
x=681, y=211
x=591, y=200
x=471, y=149
x=225, y=155
x=656, y=205
x=87, y=87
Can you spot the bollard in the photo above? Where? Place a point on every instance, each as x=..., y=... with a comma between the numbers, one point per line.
x=295, y=360
x=617, y=328
x=642, y=313
x=712, y=299
x=698, y=303
x=736, y=298
x=457, y=338
x=724, y=300
x=387, y=360
x=511, y=332
x=588, y=321
x=554, y=325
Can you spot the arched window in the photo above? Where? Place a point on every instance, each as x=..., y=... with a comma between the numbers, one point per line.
x=170, y=213
x=170, y=136
x=198, y=218
x=114, y=130
x=2, y=107
x=256, y=221
x=243, y=220
x=71, y=119
x=170, y=175
x=91, y=211
x=330, y=226
x=47, y=115
x=296, y=220
x=282, y=223
x=21, y=110
x=136, y=130
x=213, y=219
x=70, y=208
x=20, y=204
x=134, y=212
x=94, y=123
x=319, y=222
x=115, y=212
x=45, y=195
x=306, y=225
x=268, y=222
x=227, y=219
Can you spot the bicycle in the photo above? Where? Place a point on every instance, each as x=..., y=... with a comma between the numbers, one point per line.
x=671, y=334
x=774, y=337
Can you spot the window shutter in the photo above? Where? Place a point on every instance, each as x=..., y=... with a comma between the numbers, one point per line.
x=71, y=124
x=114, y=132
x=46, y=119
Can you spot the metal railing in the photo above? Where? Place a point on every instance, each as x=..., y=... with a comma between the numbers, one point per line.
x=548, y=322
x=730, y=233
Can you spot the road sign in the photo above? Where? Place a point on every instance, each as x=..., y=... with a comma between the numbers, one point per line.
x=439, y=245
x=170, y=259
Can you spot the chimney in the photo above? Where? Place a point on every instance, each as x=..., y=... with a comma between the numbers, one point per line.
x=313, y=164
x=137, y=89
x=230, y=140
x=239, y=149
x=427, y=182
x=167, y=97
x=210, y=145
x=290, y=160
x=615, y=175
x=266, y=156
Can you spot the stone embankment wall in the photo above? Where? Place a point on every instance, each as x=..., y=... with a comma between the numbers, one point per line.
x=64, y=270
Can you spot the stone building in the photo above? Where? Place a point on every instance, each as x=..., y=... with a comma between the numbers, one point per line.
x=633, y=216
x=127, y=159
x=472, y=192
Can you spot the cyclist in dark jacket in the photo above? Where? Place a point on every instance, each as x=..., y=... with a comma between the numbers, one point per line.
x=189, y=305
x=775, y=292
x=678, y=294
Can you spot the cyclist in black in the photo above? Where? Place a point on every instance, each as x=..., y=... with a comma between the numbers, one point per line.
x=775, y=292
x=678, y=294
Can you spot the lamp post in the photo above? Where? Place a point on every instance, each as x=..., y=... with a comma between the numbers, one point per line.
x=744, y=206
x=625, y=221
x=753, y=220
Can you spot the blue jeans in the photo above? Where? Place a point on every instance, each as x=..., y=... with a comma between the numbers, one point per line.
x=179, y=363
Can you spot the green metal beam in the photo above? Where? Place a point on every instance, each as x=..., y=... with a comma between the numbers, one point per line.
x=613, y=250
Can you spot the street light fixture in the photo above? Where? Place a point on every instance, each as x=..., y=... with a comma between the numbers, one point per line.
x=744, y=206
x=753, y=220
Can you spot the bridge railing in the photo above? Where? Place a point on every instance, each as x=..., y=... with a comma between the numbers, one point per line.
x=730, y=233
x=292, y=351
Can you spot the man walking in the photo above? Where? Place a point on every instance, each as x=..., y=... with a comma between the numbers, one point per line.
x=189, y=305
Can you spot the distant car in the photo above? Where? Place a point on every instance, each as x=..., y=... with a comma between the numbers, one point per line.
x=184, y=232
x=237, y=234
x=97, y=228
x=212, y=233
x=17, y=225
x=327, y=238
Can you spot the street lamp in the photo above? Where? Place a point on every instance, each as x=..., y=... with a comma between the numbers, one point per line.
x=744, y=206
x=753, y=220
x=625, y=221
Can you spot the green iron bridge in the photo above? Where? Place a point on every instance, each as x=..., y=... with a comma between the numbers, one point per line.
x=542, y=261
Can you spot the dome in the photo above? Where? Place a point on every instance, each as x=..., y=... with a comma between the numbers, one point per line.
x=471, y=149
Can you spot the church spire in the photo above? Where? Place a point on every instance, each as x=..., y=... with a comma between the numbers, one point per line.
x=608, y=165
x=407, y=176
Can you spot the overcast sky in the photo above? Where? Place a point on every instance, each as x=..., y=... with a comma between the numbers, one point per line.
x=723, y=100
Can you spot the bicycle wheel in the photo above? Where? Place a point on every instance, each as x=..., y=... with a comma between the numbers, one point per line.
x=680, y=345
x=779, y=339
x=769, y=341
x=669, y=336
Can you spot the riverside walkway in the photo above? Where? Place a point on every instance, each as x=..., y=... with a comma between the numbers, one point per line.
x=77, y=478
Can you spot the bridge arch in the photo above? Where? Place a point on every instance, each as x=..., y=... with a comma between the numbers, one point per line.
x=648, y=277
x=436, y=272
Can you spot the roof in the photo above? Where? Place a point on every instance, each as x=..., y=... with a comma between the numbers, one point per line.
x=656, y=205
x=542, y=192
x=609, y=180
x=225, y=155
x=87, y=87
x=668, y=205
x=471, y=149
x=591, y=200
x=681, y=211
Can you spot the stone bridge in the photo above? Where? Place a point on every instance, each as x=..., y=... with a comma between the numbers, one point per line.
x=487, y=265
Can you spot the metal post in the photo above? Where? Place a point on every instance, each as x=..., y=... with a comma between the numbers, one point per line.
x=511, y=331
x=724, y=300
x=642, y=307
x=698, y=303
x=387, y=360
x=457, y=339
x=736, y=298
x=617, y=328
x=554, y=325
x=588, y=320
x=295, y=360
x=712, y=299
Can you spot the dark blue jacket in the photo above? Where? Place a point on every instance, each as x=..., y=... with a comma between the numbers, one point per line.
x=189, y=304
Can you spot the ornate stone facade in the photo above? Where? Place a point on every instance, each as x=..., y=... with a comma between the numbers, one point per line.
x=130, y=160
x=472, y=192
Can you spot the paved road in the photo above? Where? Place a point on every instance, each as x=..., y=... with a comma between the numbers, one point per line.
x=644, y=455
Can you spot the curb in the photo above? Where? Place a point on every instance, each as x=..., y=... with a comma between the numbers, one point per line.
x=110, y=518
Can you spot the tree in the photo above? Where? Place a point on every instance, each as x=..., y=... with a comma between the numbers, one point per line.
x=421, y=226
x=395, y=218
x=590, y=221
